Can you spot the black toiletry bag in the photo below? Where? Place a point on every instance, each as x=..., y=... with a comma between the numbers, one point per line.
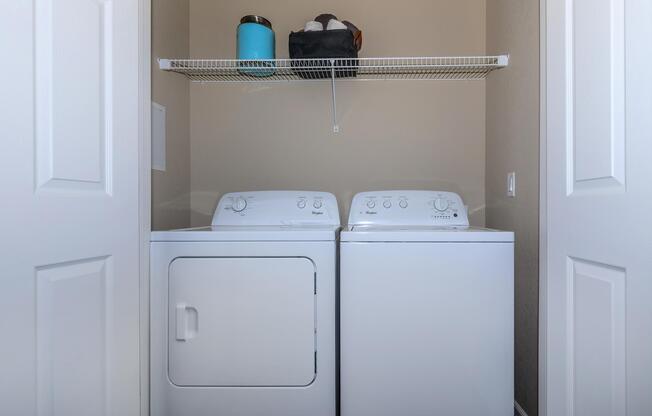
x=320, y=47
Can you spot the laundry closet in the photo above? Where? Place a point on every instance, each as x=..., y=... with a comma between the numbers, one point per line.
x=475, y=136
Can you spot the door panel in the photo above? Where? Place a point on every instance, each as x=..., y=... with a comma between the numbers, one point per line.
x=72, y=328
x=69, y=289
x=596, y=64
x=73, y=69
x=242, y=322
x=596, y=343
x=598, y=318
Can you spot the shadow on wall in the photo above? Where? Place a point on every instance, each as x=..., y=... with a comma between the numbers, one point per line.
x=169, y=213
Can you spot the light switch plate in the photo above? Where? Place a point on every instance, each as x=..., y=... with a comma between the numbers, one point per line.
x=511, y=184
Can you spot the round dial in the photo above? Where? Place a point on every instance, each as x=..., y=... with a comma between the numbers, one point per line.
x=317, y=204
x=403, y=203
x=441, y=204
x=301, y=203
x=371, y=203
x=387, y=203
x=239, y=204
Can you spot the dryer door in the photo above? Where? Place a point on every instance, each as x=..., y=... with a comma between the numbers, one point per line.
x=241, y=322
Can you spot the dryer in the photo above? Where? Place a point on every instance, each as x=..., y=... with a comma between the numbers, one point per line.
x=243, y=311
x=426, y=309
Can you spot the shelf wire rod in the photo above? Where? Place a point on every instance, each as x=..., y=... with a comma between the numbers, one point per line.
x=336, y=127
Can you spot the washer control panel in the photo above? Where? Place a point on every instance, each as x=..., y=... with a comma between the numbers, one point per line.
x=277, y=208
x=411, y=208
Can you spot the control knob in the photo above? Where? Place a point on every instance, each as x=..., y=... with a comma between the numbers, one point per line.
x=239, y=204
x=441, y=204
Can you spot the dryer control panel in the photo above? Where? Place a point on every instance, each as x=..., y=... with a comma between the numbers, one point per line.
x=275, y=208
x=408, y=208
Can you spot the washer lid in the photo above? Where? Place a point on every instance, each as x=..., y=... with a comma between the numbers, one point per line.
x=395, y=233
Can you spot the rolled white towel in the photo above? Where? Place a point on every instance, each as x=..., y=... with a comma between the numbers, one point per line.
x=313, y=26
x=335, y=24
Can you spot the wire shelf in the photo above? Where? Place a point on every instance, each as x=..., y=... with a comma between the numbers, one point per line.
x=271, y=70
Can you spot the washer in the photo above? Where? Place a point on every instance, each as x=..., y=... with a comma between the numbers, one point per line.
x=426, y=309
x=243, y=312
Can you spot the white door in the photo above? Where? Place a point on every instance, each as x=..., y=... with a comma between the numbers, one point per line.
x=69, y=285
x=597, y=344
x=242, y=322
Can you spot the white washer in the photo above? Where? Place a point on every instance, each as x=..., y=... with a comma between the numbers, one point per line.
x=243, y=312
x=426, y=309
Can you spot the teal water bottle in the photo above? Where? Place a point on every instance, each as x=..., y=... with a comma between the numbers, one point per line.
x=256, y=41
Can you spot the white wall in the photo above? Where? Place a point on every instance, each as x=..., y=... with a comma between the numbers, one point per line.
x=424, y=134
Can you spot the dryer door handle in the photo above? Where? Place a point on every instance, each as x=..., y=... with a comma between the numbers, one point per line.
x=187, y=322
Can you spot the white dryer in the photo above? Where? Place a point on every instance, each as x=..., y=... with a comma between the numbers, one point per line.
x=243, y=312
x=426, y=309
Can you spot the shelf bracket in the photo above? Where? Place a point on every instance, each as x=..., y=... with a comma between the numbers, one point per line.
x=164, y=64
x=336, y=127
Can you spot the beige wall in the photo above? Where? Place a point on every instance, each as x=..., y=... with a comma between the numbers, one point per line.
x=171, y=189
x=427, y=135
x=513, y=145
